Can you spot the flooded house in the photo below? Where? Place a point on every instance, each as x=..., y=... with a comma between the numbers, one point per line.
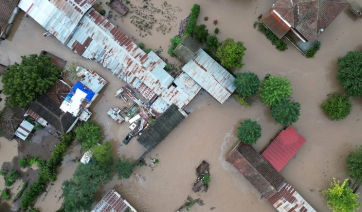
x=113, y=201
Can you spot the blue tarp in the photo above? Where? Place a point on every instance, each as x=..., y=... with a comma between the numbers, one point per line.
x=79, y=85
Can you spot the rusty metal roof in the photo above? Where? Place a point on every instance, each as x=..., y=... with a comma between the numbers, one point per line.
x=59, y=17
x=288, y=199
x=91, y=79
x=210, y=75
x=112, y=201
x=98, y=39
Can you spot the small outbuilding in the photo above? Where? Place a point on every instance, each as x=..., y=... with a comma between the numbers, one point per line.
x=24, y=130
x=119, y=7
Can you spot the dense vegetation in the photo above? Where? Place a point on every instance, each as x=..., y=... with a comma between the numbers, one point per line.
x=313, y=50
x=354, y=164
x=230, y=54
x=5, y=194
x=285, y=112
x=175, y=41
x=103, y=153
x=275, y=89
x=249, y=132
x=27, y=162
x=349, y=73
x=201, y=33
x=337, y=106
x=89, y=134
x=22, y=82
x=11, y=177
x=206, y=179
x=212, y=43
x=193, y=19
x=247, y=84
x=279, y=44
x=340, y=198
x=47, y=171
x=123, y=169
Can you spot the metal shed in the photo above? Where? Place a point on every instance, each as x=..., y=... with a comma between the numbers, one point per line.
x=24, y=130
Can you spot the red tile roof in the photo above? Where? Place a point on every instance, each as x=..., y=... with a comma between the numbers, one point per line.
x=6, y=9
x=306, y=16
x=274, y=23
x=283, y=148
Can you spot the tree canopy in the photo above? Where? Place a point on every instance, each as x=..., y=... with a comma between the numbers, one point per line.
x=103, y=154
x=231, y=54
x=354, y=164
x=212, y=43
x=349, y=74
x=89, y=133
x=79, y=192
x=340, y=198
x=22, y=82
x=123, y=169
x=274, y=89
x=201, y=33
x=247, y=84
x=285, y=112
x=337, y=106
x=249, y=132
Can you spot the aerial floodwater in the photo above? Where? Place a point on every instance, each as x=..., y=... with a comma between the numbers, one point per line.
x=210, y=131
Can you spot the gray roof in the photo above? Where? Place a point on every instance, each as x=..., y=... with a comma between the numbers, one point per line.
x=187, y=49
x=161, y=128
x=10, y=120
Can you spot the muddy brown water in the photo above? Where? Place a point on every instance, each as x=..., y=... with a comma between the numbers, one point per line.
x=210, y=131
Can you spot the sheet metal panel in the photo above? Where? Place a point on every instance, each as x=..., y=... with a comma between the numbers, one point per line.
x=91, y=79
x=24, y=130
x=210, y=75
x=187, y=85
x=160, y=105
x=98, y=39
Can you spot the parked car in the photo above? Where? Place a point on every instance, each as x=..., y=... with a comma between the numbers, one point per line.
x=128, y=138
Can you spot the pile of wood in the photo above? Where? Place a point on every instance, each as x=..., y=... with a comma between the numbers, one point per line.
x=201, y=171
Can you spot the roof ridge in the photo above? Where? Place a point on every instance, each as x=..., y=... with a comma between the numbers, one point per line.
x=51, y=112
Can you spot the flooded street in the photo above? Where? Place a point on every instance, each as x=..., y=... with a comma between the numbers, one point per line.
x=209, y=133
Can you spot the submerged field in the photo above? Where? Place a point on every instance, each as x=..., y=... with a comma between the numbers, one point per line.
x=209, y=133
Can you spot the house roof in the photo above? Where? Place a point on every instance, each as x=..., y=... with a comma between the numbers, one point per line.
x=274, y=23
x=59, y=91
x=113, y=202
x=59, y=17
x=210, y=75
x=91, y=79
x=24, y=130
x=306, y=16
x=6, y=9
x=163, y=125
x=283, y=148
x=256, y=170
x=10, y=119
x=288, y=199
x=119, y=6
x=187, y=49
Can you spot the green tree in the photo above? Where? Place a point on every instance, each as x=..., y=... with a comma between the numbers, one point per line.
x=102, y=12
x=349, y=74
x=231, y=54
x=354, y=164
x=247, y=84
x=212, y=43
x=201, y=33
x=11, y=177
x=274, y=89
x=5, y=194
x=337, y=106
x=340, y=198
x=22, y=82
x=249, y=132
x=103, y=154
x=285, y=112
x=123, y=169
x=79, y=192
x=175, y=41
x=89, y=133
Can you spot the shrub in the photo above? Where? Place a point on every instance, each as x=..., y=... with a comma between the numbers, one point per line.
x=241, y=100
x=274, y=89
x=193, y=19
x=212, y=43
x=349, y=73
x=5, y=194
x=315, y=47
x=141, y=45
x=175, y=41
x=206, y=179
x=354, y=164
x=279, y=44
x=3, y=172
x=337, y=106
x=38, y=126
x=11, y=177
x=247, y=84
x=201, y=33
x=124, y=169
x=167, y=67
x=249, y=132
x=102, y=12
x=231, y=53
x=217, y=30
x=157, y=161
x=107, y=3
x=285, y=112
x=148, y=51
x=24, y=162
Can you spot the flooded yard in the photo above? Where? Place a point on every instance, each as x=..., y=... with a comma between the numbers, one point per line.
x=209, y=133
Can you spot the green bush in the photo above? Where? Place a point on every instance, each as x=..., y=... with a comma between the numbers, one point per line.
x=89, y=133
x=167, y=67
x=212, y=43
x=193, y=19
x=201, y=33
x=279, y=44
x=3, y=172
x=157, y=161
x=38, y=126
x=241, y=100
x=175, y=41
x=148, y=51
x=311, y=52
x=102, y=12
x=24, y=162
x=124, y=168
x=349, y=73
x=11, y=177
x=247, y=84
x=337, y=106
x=275, y=89
x=249, y=132
x=354, y=164
x=216, y=31
x=206, y=179
x=5, y=194
x=141, y=45
x=285, y=112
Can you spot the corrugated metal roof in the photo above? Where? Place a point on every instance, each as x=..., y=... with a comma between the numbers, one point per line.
x=112, y=201
x=288, y=199
x=24, y=130
x=98, y=39
x=91, y=79
x=283, y=148
x=59, y=17
x=210, y=75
